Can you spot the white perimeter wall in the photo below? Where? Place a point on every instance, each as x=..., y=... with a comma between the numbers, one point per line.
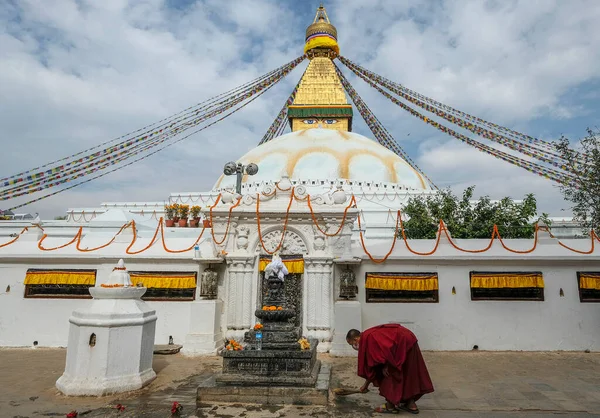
x=25, y=320
x=457, y=323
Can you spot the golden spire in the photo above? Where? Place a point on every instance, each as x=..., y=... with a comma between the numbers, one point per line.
x=320, y=101
x=321, y=34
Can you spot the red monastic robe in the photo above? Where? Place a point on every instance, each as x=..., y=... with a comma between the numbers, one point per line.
x=394, y=346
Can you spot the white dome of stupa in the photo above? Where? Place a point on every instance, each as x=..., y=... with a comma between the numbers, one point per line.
x=327, y=154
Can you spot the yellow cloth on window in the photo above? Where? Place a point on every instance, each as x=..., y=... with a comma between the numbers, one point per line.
x=589, y=281
x=293, y=266
x=61, y=277
x=165, y=281
x=407, y=283
x=506, y=280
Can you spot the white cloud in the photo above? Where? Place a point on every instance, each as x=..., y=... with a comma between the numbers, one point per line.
x=75, y=74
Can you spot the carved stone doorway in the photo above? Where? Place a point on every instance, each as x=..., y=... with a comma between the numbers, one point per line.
x=293, y=295
x=292, y=247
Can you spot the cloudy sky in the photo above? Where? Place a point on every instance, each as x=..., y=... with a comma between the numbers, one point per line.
x=74, y=74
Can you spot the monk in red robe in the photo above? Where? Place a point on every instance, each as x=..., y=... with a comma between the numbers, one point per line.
x=390, y=358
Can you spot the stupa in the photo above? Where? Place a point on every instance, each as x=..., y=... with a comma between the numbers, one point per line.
x=329, y=201
x=111, y=342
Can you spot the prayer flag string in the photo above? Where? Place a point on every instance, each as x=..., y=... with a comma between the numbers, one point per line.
x=145, y=130
x=278, y=124
x=521, y=136
x=523, y=148
x=529, y=166
x=256, y=94
x=379, y=131
x=65, y=176
x=176, y=123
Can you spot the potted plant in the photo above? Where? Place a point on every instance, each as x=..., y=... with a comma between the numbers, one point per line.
x=184, y=211
x=175, y=212
x=195, y=216
x=169, y=214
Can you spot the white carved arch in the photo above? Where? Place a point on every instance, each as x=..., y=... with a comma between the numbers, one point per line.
x=293, y=243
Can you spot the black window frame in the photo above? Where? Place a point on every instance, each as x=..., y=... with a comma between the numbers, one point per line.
x=434, y=295
x=588, y=295
x=30, y=291
x=506, y=294
x=150, y=296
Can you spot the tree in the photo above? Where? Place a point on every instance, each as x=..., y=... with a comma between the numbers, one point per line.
x=467, y=219
x=584, y=164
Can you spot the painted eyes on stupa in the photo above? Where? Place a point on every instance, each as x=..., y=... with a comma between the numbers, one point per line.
x=315, y=121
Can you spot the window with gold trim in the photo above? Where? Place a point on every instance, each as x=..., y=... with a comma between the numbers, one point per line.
x=401, y=288
x=294, y=264
x=589, y=286
x=503, y=285
x=166, y=286
x=59, y=283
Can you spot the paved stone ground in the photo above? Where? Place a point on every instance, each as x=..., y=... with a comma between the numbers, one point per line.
x=468, y=384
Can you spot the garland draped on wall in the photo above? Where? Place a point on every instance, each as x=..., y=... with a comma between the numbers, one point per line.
x=399, y=233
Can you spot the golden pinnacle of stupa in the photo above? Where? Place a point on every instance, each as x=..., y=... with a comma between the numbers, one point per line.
x=320, y=101
x=321, y=36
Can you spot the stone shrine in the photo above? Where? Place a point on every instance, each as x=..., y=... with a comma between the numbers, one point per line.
x=111, y=342
x=275, y=362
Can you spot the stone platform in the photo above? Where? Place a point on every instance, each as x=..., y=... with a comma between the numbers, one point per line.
x=271, y=367
x=210, y=391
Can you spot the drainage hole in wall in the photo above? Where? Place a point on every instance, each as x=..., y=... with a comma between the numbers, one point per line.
x=92, y=340
x=171, y=340
x=35, y=343
x=475, y=347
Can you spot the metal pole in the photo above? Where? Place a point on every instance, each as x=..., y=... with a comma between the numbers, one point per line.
x=238, y=185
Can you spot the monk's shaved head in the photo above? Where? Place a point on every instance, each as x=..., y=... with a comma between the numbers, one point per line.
x=352, y=335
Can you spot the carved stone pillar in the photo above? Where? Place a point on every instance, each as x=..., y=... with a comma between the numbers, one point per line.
x=318, y=299
x=240, y=295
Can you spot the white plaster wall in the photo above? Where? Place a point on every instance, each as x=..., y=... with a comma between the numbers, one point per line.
x=46, y=320
x=457, y=323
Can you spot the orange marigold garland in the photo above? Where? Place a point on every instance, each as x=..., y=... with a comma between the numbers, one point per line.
x=233, y=345
x=228, y=219
x=133, y=240
x=314, y=218
x=75, y=238
x=86, y=250
x=15, y=238
x=162, y=234
x=362, y=241
x=285, y=223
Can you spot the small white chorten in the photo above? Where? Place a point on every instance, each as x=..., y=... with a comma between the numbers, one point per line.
x=110, y=343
